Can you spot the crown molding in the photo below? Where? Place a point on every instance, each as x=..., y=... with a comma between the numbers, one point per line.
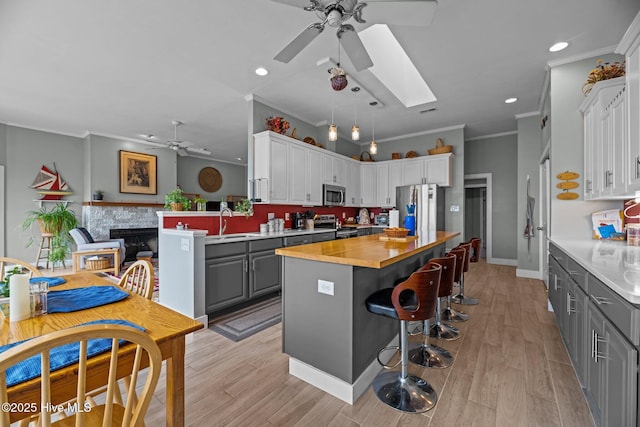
x=579, y=57
x=495, y=135
x=545, y=88
x=56, y=131
x=426, y=132
x=525, y=115
x=631, y=38
x=253, y=97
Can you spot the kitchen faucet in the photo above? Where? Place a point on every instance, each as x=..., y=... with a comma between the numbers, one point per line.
x=224, y=227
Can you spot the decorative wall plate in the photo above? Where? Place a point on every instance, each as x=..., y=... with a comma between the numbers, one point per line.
x=210, y=179
x=567, y=185
x=568, y=195
x=568, y=175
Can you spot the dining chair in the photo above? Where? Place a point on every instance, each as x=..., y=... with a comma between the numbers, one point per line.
x=110, y=413
x=139, y=278
x=4, y=261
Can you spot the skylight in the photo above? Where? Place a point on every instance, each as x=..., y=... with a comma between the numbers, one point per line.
x=393, y=68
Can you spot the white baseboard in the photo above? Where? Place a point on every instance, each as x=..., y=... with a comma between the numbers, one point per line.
x=503, y=261
x=529, y=274
x=335, y=386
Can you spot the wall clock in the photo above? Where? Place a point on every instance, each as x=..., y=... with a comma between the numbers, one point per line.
x=210, y=179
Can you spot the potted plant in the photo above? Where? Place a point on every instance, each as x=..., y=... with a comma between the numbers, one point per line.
x=201, y=204
x=97, y=195
x=57, y=222
x=245, y=206
x=177, y=201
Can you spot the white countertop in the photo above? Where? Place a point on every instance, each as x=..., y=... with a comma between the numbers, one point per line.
x=240, y=237
x=612, y=262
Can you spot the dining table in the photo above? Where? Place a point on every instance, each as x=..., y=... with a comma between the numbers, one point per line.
x=166, y=327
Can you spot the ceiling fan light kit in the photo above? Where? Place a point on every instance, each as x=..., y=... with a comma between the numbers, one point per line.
x=179, y=146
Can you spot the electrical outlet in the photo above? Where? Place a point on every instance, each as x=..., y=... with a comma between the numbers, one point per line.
x=344, y=215
x=325, y=287
x=454, y=208
x=184, y=245
x=271, y=215
x=286, y=216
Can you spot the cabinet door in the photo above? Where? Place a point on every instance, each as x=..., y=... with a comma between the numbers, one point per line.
x=298, y=175
x=395, y=180
x=618, y=144
x=225, y=282
x=340, y=170
x=633, y=120
x=367, y=185
x=353, y=184
x=264, y=273
x=382, y=185
x=278, y=185
x=595, y=364
x=413, y=172
x=438, y=170
x=587, y=188
x=314, y=177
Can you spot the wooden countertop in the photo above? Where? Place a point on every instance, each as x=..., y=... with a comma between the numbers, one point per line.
x=364, y=251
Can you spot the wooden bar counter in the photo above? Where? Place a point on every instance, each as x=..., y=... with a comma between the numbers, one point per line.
x=330, y=337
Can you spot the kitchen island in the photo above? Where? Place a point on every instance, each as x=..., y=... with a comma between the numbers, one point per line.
x=330, y=337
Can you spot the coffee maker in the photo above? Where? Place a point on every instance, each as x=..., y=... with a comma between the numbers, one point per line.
x=297, y=220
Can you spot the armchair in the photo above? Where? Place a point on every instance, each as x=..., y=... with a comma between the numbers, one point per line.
x=85, y=242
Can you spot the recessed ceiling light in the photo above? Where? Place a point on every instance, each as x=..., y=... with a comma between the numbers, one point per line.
x=558, y=47
x=238, y=158
x=147, y=135
x=261, y=71
x=510, y=100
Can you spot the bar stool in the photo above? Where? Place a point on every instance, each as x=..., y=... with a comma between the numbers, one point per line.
x=475, y=248
x=45, y=238
x=412, y=300
x=440, y=330
x=461, y=298
x=427, y=354
x=449, y=313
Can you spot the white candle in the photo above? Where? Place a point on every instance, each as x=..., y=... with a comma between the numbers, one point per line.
x=19, y=301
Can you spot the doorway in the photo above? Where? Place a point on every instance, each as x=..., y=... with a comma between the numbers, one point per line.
x=478, y=211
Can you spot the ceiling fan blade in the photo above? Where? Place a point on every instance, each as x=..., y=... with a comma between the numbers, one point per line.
x=299, y=43
x=295, y=3
x=199, y=150
x=401, y=12
x=352, y=45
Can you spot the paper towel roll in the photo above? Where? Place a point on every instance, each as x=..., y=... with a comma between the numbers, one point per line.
x=394, y=218
x=19, y=300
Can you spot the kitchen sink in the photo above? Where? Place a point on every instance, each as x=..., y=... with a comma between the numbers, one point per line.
x=231, y=236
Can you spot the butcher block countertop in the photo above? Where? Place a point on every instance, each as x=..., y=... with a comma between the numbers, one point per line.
x=365, y=251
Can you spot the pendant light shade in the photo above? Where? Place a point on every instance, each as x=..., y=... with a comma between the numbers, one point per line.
x=333, y=132
x=355, y=133
x=373, y=148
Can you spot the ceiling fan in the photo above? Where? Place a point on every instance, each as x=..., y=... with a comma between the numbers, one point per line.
x=178, y=145
x=335, y=13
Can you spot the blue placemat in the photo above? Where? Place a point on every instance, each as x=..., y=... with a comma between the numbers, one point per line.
x=52, y=281
x=83, y=298
x=59, y=357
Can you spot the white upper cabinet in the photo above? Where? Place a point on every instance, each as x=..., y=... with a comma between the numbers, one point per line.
x=353, y=184
x=305, y=166
x=368, y=196
x=605, y=140
x=630, y=47
x=434, y=169
x=270, y=182
x=413, y=171
x=334, y=169
x=388, y=177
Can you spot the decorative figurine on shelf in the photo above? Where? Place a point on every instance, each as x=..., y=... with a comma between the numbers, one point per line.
x=277, y=124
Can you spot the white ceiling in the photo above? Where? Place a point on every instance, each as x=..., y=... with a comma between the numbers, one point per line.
x=124, y=68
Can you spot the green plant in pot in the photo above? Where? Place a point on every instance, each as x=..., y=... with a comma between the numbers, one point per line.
x=244, y=206
x=98, y=195
x=177, y=201
x=56, y=222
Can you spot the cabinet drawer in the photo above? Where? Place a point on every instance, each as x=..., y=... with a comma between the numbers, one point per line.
x=225, y=249
x=625, y=316
x=298, y=240
x=558, y=255
x=577, y=273
x=324, y=237
x=264, y=244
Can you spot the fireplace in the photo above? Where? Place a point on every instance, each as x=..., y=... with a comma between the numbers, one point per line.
x=136, y=240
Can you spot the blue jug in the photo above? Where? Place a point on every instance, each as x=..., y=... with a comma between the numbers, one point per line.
x=410, y=220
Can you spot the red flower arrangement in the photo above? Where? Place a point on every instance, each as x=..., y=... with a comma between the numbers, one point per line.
x=277, y=124
x=602, y=71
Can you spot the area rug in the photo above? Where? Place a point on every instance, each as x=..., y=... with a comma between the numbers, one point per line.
x=248, y=321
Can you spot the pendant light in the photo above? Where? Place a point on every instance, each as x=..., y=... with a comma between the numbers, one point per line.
x=355, y=129
x=333, y=129
x=373, y=147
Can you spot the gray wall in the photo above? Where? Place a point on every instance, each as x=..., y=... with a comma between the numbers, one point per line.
x=571, y=219
x=498, y=156
x=529, y=152
x=234, y=178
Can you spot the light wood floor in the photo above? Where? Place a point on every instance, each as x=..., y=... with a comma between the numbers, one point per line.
x=510, y=369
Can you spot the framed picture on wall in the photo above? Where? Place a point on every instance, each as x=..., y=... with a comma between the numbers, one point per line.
x=138, y=173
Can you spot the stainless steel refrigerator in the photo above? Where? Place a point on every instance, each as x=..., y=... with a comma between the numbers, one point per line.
x=429, y=208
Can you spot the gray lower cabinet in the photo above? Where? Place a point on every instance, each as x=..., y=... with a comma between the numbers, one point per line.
x=237, y=272
x=323, y=237
x=600, y=332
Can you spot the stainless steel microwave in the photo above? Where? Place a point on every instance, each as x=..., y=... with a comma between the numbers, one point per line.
x=333, y=195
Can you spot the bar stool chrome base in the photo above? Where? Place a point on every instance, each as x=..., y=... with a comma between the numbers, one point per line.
x=410, y=394
x=442, y=331
x=464, y=300
x=431, y=356
x=452, y=315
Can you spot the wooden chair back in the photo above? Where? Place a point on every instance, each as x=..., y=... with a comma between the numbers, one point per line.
x=448, y=264
x=460, y=254
x=139, y=278
x=415, y=298
x=131, y=414
x=467, y=247
x=4, y=261
x=475, y=248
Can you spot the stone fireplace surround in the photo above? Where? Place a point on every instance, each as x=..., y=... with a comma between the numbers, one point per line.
x=100, y=217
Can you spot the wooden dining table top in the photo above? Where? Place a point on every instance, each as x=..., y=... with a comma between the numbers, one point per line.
x=166, y=327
